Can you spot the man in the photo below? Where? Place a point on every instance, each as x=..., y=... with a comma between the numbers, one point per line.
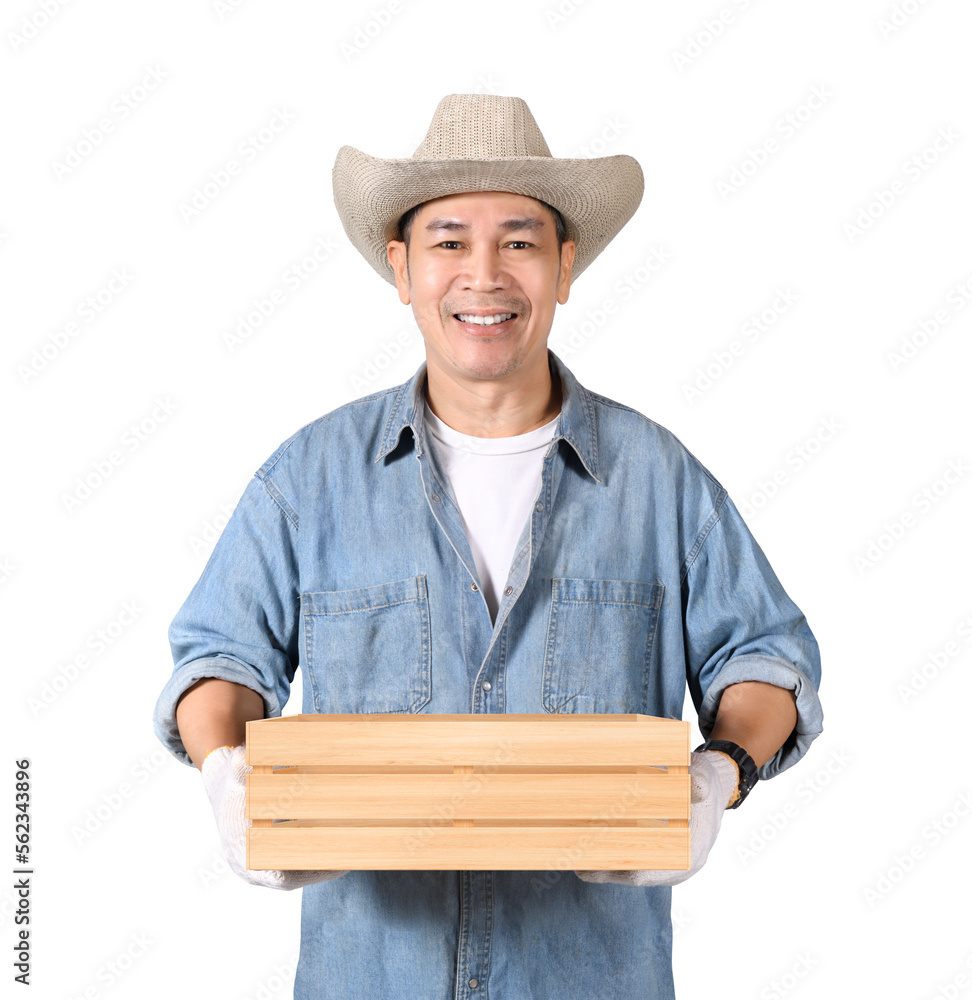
x=489, y=537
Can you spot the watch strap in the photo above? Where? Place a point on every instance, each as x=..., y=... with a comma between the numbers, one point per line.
x=748, y=772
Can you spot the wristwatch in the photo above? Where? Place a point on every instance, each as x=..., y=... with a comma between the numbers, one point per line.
x=748, y=772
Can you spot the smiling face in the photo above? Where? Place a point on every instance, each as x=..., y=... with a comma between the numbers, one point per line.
x=483, y=276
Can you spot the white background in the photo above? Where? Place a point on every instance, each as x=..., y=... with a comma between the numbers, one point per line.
x=806, y=886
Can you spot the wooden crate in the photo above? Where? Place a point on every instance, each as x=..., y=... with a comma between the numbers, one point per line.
x=505, y=791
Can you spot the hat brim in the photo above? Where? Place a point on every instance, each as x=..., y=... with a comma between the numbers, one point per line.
x=596, y=197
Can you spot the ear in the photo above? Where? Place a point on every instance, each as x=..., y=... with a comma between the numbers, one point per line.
x=566, y=263
x=398, y=260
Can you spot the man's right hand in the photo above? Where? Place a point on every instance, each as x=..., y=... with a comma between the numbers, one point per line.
x=224, y=776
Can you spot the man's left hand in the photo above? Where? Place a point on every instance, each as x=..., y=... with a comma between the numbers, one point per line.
x=714, y=779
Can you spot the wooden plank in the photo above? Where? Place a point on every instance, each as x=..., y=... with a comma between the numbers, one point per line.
x=480, y=823
x=463, y=769
x=552, y=848
x=476, y=769
x=461, y=797
x=262, y=771
x=629, y=717
x=408, y=740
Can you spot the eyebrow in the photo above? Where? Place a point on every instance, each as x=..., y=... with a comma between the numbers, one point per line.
x=530, y=223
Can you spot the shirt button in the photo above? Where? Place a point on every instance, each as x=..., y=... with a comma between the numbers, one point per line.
x=473, y=983
x=539, y=506
x=473, y=586
x=436, y=498
x=487, y=686
x=509, y=590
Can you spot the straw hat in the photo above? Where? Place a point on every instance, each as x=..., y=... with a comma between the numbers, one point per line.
x=484, y=142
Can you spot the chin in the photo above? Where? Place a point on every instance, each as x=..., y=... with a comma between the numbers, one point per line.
x=488, y=368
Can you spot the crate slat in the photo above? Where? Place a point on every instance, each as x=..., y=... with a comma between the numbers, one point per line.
x=497, y=796
x=398, y=740
x=549, y=848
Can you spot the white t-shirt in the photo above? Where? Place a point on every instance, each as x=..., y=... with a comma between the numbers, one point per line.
x=496, y=482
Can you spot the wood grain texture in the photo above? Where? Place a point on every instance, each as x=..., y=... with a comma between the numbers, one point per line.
x=549, y=848
x=513, y=791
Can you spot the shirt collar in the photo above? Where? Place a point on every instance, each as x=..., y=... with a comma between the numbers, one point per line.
x=575, y=425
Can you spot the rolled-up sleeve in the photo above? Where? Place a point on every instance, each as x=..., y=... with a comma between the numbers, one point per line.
x=240, y=621
x=740, y=625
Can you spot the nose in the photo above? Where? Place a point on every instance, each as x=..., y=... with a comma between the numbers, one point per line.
x=484, y=269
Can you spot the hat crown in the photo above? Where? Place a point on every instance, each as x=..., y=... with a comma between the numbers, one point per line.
x=481, y=127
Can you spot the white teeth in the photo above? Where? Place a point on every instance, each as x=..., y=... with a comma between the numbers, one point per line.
x=484, y=320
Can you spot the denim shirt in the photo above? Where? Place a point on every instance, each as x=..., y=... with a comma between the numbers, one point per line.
x=634, y=575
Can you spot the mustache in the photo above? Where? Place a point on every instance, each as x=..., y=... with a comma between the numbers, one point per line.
x=513, y=305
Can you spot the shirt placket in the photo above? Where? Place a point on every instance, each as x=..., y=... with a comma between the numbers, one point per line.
x=476, y=887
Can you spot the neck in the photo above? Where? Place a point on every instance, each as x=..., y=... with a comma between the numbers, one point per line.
x=493, y=408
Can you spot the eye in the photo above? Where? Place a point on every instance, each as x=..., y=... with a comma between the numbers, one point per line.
x=448, y=243
x=521, y=243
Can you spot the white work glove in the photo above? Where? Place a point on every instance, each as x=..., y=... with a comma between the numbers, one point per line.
x=224, y=776
x=713, y=778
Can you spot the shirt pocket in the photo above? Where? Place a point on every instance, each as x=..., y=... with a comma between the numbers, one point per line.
x=369, y=649
x=599, y=645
